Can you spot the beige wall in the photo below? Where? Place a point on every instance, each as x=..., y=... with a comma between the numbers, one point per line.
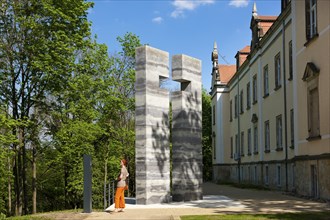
x=317, y=52
x=305, y=153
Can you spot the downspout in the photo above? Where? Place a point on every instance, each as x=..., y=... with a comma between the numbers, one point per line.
x=239, y=131
x=285, y=109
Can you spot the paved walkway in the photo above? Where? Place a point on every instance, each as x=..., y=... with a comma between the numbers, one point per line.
x=218, y=199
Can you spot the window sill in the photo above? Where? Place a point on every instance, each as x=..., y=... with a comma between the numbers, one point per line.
x=255, y=153
x=248, y=108
x=313, y=138
x=266, y=95
x=279, y=149
x=254, y=102
x=267, y=151
x=292, y=146
x=290, y=78
x=249, y=154
x=242, y=112
x=277, y=87
x=310, y=40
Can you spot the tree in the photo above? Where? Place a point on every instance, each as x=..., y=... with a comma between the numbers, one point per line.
x=37, y=53
x=207, y=135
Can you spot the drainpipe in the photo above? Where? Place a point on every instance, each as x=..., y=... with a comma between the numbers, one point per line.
x=239, y=131
x=285, y=109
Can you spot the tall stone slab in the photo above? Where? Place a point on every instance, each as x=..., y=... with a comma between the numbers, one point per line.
x=187, y=174
x=152, y=127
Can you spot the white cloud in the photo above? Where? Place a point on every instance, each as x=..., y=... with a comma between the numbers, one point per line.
x=180, y=6
x=157, y=20
x=239, y=3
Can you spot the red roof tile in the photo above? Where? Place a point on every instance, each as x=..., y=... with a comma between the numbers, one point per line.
x=226, y=72
x=246, y=49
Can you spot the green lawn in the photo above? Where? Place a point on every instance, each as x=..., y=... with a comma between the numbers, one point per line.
x=281, y=216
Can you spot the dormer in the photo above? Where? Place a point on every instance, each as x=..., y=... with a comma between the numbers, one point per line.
x=241, y=56
x=259, y=26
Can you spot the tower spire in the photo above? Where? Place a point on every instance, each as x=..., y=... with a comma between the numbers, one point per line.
x=254, y=10
x=215, y=71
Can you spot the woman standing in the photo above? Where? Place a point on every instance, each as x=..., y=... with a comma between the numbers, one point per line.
x=121, y=184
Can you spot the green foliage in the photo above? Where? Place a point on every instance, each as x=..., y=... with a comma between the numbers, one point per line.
x=76, y=98
x=207, y=135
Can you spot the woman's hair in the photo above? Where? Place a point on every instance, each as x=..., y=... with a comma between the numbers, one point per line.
x=124, y=162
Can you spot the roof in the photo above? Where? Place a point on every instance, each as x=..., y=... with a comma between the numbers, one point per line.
x=265, y=22
x=267, y=18
x=226, y=72
x=246, y=49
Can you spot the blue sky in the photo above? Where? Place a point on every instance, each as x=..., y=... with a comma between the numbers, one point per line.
x=180, y=26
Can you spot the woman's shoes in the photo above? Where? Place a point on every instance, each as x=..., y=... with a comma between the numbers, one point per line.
x=119, y=210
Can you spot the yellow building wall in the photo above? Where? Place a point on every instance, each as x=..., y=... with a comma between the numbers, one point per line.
x=317, y=51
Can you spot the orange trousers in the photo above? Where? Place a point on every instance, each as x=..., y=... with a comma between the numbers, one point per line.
x=120, y=198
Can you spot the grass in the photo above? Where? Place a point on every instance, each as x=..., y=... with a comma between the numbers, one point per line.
x=281, y=216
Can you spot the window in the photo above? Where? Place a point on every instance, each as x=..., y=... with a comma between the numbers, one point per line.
x=249, y=141
x=213, y=114
x=313, y=113
x=279, y=138
x=241, y=102
x=242, y=143
x=311, y=19
x=278, y=175
x=231, y=110
x=236, y=106
x=292, y=127
x=290, y=61
x=311, y=76
x=255, y=91
x=248, y=96
x=266, y=175
x=255, y=139
x=266, y=85
x=277, y=71
x=231, y=147
x=267, y=137
x=236, y=144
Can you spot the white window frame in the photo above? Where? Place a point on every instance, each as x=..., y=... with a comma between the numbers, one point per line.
x=277, y=62
x=278, y=175
x=249, y=141
x=255, y=89
x=267, y=136
x=255, y=138
x=266, y=175
x=266, y=81
x=248, y=95
x=313, y=18
x=279, y=132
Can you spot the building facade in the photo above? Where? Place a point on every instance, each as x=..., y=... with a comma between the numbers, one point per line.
x=271, y=111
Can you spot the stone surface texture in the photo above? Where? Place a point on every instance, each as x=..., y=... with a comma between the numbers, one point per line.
x=152, y=127
x=187, y=174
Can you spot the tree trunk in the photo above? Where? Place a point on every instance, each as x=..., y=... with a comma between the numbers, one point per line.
x=34, y=179
x=105, y=184
x=18, y=187
x=9, y=187
x=24, y=170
